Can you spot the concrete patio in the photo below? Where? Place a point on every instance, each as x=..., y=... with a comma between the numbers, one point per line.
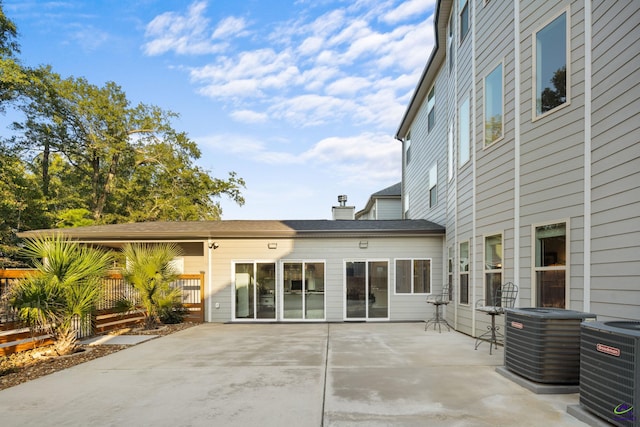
x=365, y=374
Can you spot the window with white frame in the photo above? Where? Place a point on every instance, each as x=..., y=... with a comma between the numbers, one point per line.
x=450, y=41
x=551, y=265
x=493, y=106
x=407, y=149
x=431, y=108
x=550, y=52
x=406, y=205
x=450, y=272
x=413, y=276
x=450, y=154
x=463, y=7
x=464, y=273
x=492, y=268
x=464, y=133
x=433, y=186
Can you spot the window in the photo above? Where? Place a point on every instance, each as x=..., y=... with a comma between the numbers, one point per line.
x=431, y=107
x=407, y=149
x=465, y=132
x=303, y=290
x=433, y=186
x=450, y=154
x=406, y=206
x=464, y=18
x=450, y=41
x=255, y=290
x=413, y=276
x=450, y=272
x=551, y=265
x=550, y=54
x=492, y=268
x=493, y=106
x=464, y=273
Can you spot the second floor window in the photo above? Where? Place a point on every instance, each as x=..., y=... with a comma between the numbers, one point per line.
x=464, y=128
x=493, y=106
x=431, y=108
x=433, y=186
x=464, y=18
x=550, y=67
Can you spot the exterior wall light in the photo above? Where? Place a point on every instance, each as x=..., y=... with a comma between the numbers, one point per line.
x=272, y=245
x=364, y=244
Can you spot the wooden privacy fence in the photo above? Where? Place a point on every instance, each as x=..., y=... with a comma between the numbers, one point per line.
x=15, y=337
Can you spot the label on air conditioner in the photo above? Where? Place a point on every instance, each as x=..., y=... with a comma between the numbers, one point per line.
x=606, y=349
x=517, y=325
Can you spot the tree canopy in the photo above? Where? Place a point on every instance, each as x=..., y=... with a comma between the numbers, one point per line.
x=83, y=154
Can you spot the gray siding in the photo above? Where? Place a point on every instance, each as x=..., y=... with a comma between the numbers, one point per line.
x=333, y=252
x=615, y=151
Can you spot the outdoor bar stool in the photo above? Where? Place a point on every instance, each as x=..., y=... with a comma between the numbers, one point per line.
x=438, y=301
x=504, y=297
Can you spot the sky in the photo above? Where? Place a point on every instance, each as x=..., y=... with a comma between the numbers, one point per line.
x=301, y=98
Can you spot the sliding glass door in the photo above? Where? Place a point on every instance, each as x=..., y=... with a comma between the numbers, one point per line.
x=366, y=290
x=255, y=290
x=303, y=290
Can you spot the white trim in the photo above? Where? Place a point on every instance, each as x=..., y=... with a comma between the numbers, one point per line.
x=586, y=303
x=516, y=151
x=474, y=166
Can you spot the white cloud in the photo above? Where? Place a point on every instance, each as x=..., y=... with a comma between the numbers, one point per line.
x=348, y=86
x=230, y=26
x=184, y=34
x=408, y=9
x=248, y=116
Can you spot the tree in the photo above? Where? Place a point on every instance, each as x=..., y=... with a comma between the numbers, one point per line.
x=551, y=98
x=149, y=270
x=127, y=162
x=67, y=287
x=12, y=76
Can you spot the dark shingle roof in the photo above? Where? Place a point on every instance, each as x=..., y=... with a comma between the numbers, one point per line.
x=245, y=229
x=395, y=190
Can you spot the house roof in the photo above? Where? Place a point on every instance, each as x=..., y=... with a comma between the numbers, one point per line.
x=430, y=72
x=198, y=230
x=392, y=192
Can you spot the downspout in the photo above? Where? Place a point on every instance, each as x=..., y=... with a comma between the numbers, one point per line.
x=586, y=302
x=516, y=148
x=472, y=248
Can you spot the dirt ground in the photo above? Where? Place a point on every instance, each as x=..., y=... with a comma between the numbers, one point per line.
x=28, y=365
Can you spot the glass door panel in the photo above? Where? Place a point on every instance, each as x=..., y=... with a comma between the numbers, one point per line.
x=378, y=287
x=314, y=295
x=244, y=285
x=293, y=291
x=266, y=288
x=356, y=290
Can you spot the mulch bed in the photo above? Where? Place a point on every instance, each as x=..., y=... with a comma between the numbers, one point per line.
x=28, y=365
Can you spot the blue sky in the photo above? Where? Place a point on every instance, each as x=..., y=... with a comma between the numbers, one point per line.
x=300, y=98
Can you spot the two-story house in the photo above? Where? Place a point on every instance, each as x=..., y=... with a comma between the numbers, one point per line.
x=522, y=139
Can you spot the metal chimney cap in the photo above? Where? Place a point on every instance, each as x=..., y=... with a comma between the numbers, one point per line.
x=342, y=199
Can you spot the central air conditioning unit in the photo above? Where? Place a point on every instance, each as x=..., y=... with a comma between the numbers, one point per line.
x=610, y=371
x=543, y=344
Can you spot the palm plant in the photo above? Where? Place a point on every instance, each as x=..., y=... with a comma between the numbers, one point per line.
x=149, y=270
x=66, y=287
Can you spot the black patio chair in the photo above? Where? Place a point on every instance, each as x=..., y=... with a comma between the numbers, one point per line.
x=438, y=300
x=503, y=298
